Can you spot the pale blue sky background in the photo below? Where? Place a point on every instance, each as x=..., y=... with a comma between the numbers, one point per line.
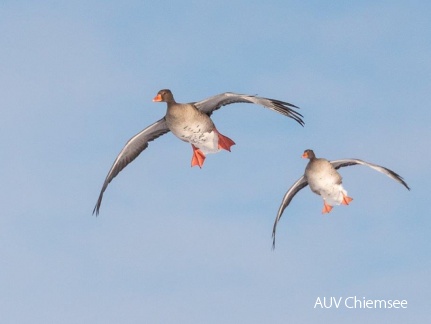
x=175, y=244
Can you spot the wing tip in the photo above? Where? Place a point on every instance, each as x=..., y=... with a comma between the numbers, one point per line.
x=277, y=219
x=406, y=185
x=96, y=210
x=273, y=239
x=285, y=108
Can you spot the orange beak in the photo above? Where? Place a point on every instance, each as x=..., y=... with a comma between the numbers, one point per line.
x=158, y=98
x=305, y=155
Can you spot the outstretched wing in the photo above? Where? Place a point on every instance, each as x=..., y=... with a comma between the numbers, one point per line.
x=391, y=174
x=130, y=151
x=298, y=185
x=213, y=103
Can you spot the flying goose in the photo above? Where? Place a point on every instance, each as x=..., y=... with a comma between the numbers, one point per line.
x=191, y=123
x=322, y=177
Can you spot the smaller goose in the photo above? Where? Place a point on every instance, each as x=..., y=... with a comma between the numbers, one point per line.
x=324, y=180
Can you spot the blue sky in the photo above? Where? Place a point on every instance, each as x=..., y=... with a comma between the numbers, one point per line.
x=175, y=244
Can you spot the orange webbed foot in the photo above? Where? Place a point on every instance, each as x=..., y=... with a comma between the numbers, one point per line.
x=326, y=208
x=346, y=200
x=198, y=157
x=224, y=142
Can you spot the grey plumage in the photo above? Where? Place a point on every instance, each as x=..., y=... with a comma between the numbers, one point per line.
x=302, y=183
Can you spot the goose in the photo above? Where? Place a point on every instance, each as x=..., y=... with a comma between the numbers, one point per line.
x=191, y=123
x=324, y=180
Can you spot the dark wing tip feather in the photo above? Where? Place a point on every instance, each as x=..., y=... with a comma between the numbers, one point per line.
x=400, y=178
x=284, y=108
x=97, y=206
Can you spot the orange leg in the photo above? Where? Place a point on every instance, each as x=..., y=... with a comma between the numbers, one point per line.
x=326, y=208
x=346, y=200
x=198, y=157
x=224, y=142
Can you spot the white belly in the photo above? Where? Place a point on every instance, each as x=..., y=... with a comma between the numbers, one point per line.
x=333, y=195
x=328, y=188
x=207, y=142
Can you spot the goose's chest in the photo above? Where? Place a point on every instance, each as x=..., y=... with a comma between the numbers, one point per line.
x=189, y=125
x=322, y=176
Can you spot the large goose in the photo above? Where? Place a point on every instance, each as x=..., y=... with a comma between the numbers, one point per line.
x=191, y=123
x=322, y=177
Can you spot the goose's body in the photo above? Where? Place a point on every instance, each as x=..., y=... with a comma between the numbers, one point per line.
x=191, y=123
x=192, y=126
x=325, y=181
x=322, y=177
